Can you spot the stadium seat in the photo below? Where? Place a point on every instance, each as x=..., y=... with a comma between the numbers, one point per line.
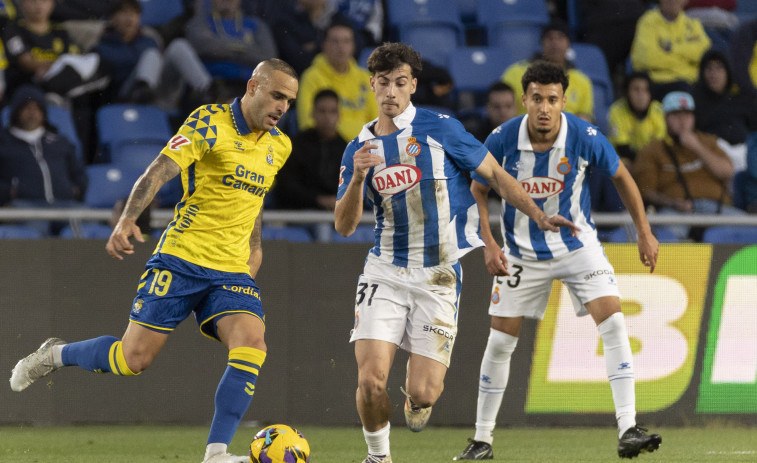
x=590, y=60
x=136, y=153
x=434, y=41
x=628, y=235
x=503, y=19
x=362, y=60
x=18, y=232
x=108, y=184
x=362, y=234
x=730, y=234
x=157, y=12
x=521, y=41
x=474, y=69
x=432, y=27
x=746, y=10
x=60, y=118
x=86, y=230
x=468, y=10
x=401, y=12
x=286, y=233
x=121, y=123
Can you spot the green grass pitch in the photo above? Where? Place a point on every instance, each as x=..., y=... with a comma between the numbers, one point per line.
x=137, y=444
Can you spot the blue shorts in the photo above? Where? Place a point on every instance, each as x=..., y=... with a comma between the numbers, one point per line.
x=172, y=288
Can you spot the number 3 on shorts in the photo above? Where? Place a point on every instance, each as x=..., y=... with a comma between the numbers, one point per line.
x=362, y=290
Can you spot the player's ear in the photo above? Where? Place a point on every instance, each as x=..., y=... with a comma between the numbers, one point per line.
x=252, y=86
x=414, y=86
x=373, y=84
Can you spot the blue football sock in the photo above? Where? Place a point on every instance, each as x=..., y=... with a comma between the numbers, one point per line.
x=234, y=392
x=92, y=354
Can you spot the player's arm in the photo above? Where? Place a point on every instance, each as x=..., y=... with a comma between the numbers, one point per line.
x=349, y=208
x=256, y=247
x=161, y=170
x=631, y=197
x=495, y=259
x=511, y=191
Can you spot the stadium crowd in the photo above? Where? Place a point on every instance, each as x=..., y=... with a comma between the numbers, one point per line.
x=119, y=77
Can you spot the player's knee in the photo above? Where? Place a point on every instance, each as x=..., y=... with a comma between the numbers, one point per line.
x=426, y=394
x=371, y=387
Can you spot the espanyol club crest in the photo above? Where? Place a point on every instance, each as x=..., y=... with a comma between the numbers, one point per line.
x=395, y=179
x=563, y=168
x=542, y=187
x=413, y=148
x=269, y=157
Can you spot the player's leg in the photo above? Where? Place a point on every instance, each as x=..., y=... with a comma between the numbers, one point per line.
x=243, y=335
x=423, y=386
x=374, y=360
x=523, y=294
x=105, y=354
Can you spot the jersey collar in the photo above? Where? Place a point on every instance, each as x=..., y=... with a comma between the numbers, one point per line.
x=238, y=118
x=524, y=142
x=402, y=121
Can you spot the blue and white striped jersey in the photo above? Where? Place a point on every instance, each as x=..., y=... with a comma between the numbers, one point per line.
x=425, y=213
x=556, y=180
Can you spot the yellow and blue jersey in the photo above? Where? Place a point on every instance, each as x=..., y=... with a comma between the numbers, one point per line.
x=226, y=171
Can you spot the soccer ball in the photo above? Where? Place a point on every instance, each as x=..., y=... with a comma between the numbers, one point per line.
x=279, y=443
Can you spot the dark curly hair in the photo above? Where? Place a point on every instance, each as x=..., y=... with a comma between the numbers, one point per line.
x=390, y=55
x=545, y=73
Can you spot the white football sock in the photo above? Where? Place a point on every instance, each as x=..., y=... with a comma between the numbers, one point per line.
x=495, y=371
x=619, y=365
x=58, y=355
x=215, y=448
x=378, y=441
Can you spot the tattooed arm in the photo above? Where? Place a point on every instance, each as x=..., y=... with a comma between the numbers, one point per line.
x=161, y=170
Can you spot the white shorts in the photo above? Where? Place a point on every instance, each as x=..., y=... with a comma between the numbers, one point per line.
x=586, y=272
x=414, y=308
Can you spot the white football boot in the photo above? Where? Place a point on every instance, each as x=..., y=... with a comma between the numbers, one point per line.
x=35, y=366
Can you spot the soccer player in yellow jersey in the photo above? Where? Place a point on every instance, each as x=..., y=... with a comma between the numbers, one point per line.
x=206, y=261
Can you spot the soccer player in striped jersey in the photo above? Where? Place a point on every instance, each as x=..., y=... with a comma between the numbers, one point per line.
x=206, y=261
x=410, y=164
x=549, y=152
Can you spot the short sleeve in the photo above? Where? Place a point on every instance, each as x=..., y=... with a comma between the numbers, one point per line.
x=603, y=157
x=462, y=146
x=192, y=140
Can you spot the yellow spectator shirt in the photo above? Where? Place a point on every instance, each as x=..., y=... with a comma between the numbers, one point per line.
x=357, y=102
x=579, y=98
x=225, y=172
x=668, y=50
x=627, y=129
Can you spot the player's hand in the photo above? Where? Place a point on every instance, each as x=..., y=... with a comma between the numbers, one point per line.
x=496, y=262
x=363, y=160
x=648, y=249
x=554, y=222
x=119, y=243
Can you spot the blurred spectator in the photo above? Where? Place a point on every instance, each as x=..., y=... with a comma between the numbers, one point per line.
x=367, y=18
x=37, y=166
x=300, y=31
x=309, y=180
x=337, y=69
x=636, y=119
x=500, y=108
x=268, y=11
x=610, y=25
x=717, y=18
x=686, y=173
x=7, y=12
x=140, y=72
x=722, y=110
x=743, y=51
x=555, y=43
x=434, y=87
x=230, y=42
x=42, y=52
x=668, y=45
